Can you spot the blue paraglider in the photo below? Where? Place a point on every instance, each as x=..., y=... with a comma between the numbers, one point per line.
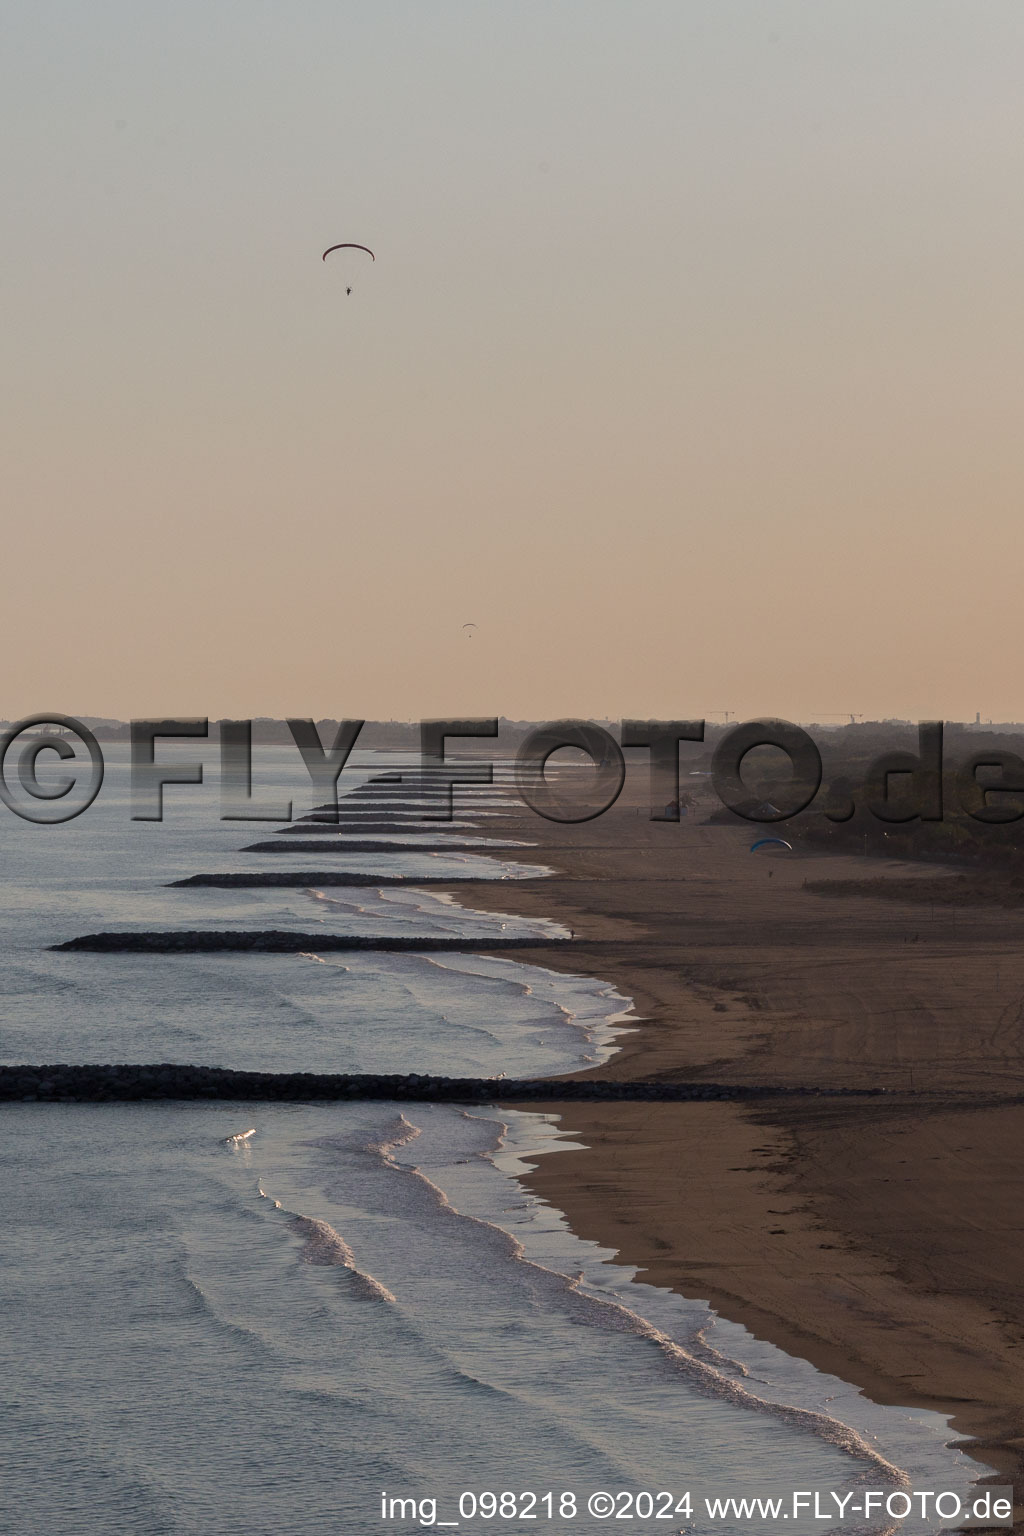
x=764, y=842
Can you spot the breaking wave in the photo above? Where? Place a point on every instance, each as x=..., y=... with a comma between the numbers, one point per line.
x=324, y=1247
x=601, y=1311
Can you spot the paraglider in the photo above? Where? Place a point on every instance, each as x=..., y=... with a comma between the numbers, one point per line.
x=469, y=627
x=764, y=842
x=348, y=245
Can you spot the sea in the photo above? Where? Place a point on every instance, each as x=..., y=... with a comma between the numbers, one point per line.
x=290, y=1320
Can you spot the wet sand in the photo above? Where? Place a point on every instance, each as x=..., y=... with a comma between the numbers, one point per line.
x=883, y=1240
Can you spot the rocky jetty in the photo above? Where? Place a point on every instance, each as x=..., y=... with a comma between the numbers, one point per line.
x=126, y=1082
x=288, y=941
x=357, y=824
x=347, y=844
x=290, y=877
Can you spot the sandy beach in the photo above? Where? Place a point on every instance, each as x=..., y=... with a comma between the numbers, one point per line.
x=881, y=1238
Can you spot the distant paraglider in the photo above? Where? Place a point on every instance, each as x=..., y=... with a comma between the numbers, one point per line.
x=470, y=628
x=765, y=842
x=348, y=245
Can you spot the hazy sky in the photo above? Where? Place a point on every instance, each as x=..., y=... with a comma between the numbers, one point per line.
x=690, y=367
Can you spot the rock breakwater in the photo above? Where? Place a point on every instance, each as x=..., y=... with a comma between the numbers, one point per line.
x=289, y=941
x=129, y=1082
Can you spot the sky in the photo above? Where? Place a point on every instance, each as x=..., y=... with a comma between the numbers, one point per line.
x=689, y=368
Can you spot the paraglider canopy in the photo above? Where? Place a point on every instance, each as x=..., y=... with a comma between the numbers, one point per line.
x=351, y=262
x=348, y=245
x=764, y=842
x=469, y=627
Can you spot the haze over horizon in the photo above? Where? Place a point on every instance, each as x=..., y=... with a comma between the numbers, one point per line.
x=688, y=369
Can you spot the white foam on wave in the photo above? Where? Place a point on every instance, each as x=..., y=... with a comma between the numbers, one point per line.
x=785, y=1380
x=525, y=927
x=597, y=1010
x=324, y=1247
x=605, y=1311
x=311, y=954
x=398, y=1134
x=443, y=913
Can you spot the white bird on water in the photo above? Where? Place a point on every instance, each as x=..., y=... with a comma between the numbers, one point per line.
x=242, y=1136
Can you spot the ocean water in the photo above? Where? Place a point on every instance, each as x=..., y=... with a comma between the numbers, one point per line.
x=361, y=1012
x=357, y=1302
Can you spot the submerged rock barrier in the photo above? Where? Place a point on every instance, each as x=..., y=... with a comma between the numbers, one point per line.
x=287, y=941
x=121, y=1083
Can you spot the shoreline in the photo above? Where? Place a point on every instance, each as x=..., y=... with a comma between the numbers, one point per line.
x=828, y=1147
x=877, y=1239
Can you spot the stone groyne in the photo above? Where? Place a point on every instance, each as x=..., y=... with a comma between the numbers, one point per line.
x=288, y=877
x=130, y=1082
x=289, y=941
x=347, y=844
x=358, y=824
